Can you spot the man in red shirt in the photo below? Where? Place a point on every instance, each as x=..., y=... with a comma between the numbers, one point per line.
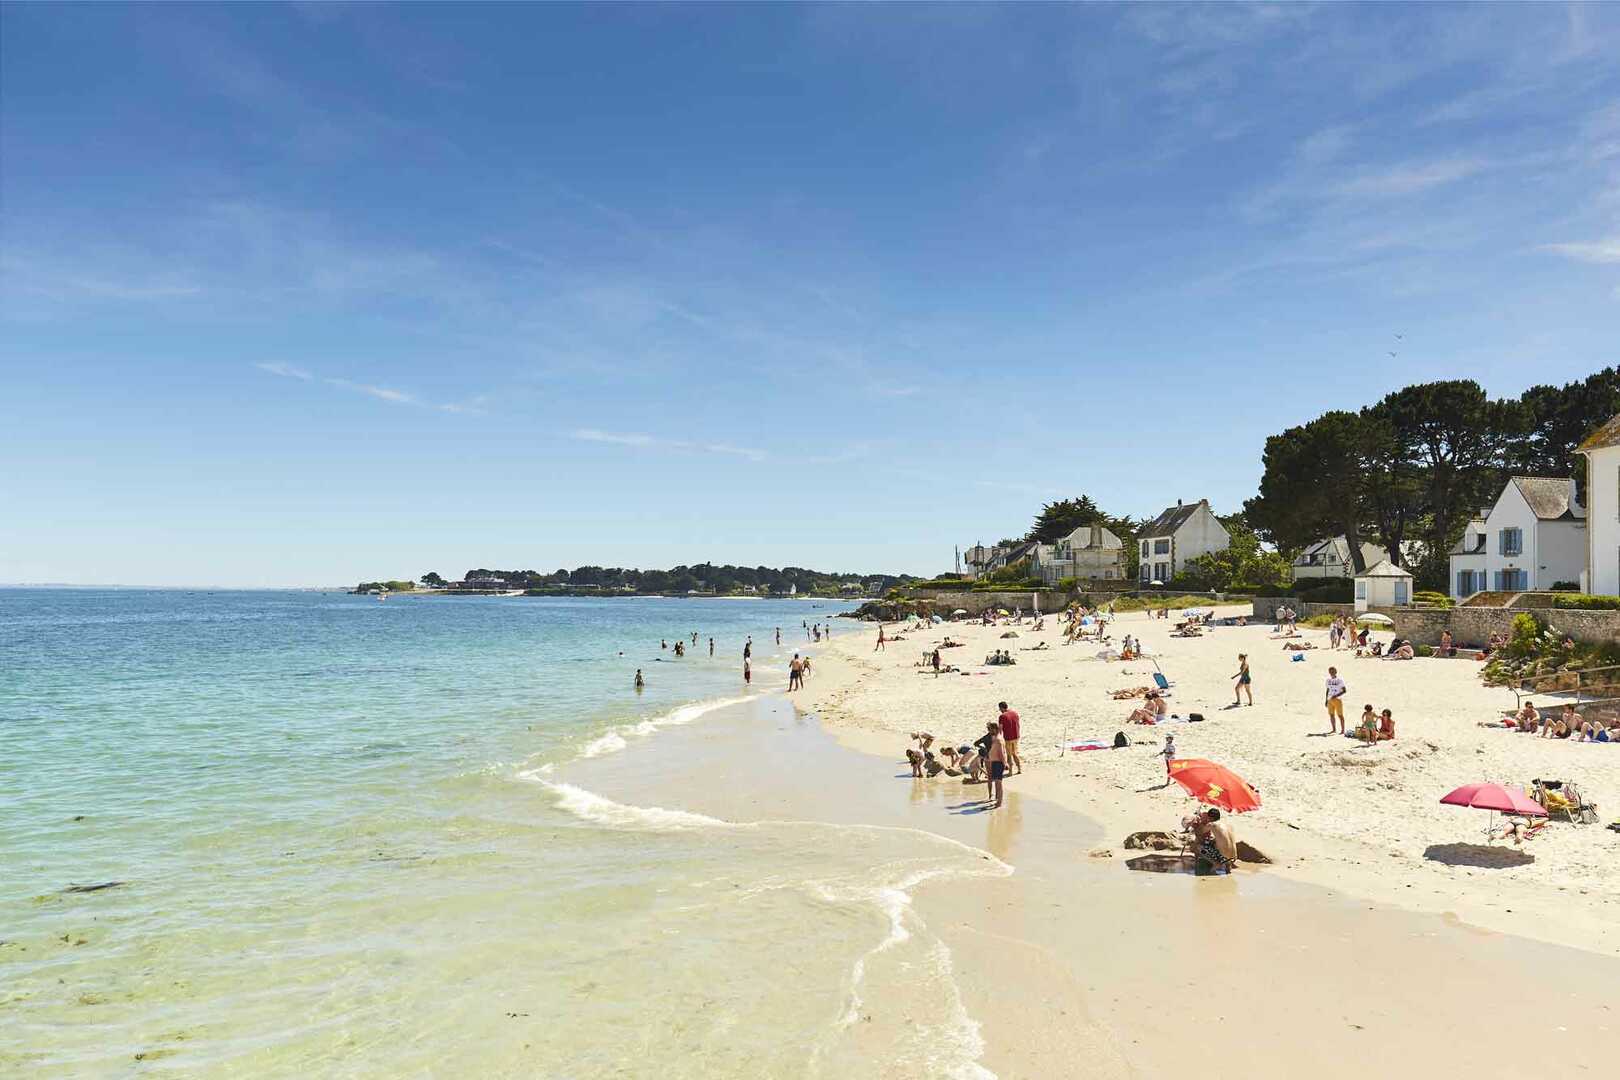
x=1009, y=734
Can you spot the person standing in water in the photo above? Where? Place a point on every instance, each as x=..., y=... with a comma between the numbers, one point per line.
x=748, y=648
x=640, y=682
x=711, y=646
x=779, y=635
x=748, y=673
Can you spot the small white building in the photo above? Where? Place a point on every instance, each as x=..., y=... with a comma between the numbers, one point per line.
x=1602, y=451
x=1182, y=533
x=1533, y=537
x=1383, y=585
x=1090, y=552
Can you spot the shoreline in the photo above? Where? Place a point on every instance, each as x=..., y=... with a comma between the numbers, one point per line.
x=869, y=703
x=1068, y=959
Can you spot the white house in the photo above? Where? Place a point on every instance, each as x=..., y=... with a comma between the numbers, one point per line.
x=1090, y=551
x=1383, y=585
x=1532, y=538
x=1602, y=450
x=1183, y=532
x=1331, y=559
x=976, y=561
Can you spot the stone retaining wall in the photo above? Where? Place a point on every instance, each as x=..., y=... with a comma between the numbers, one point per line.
x=1468, y=625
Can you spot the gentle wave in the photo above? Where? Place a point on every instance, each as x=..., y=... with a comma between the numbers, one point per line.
x=958, y=1035
x=615, y=740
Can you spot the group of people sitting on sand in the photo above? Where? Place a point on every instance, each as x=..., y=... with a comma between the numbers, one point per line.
x=1000, y=657
x=1153, y=709
x=1567, y=724
x=1375, y=726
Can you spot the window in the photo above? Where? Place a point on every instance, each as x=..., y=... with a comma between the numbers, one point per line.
x=1469, y=582
x=1146, y=571
x=1511, y=541
x=1361, y=589
x=1161, y=571
x=1161, y=547
x=1144, y=549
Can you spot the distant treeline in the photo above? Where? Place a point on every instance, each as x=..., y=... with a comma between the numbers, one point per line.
x=702, y=578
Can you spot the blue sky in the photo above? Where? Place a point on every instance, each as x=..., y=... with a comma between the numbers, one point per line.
x=304, y=294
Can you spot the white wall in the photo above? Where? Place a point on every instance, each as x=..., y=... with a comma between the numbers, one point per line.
x=1560, y=553
x=1201, y=534
x=1603, y=520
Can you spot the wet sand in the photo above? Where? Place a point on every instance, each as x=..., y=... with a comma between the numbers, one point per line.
x=1079, y=966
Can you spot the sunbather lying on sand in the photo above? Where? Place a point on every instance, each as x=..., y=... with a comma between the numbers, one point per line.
x=1297, y=646
x=1404, y=652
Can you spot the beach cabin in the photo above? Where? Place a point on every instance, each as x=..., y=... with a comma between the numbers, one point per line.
x=1383, y=585
x=1180, y=534
x=1533, y=537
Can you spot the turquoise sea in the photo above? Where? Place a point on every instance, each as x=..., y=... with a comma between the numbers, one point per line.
x=363, y=838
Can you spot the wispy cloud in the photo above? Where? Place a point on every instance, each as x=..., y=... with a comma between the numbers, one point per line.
x=645, y=441
x=392, y=396
x=286, y=371
x=1412, y=177
x=381, y=393
x=1594, y=251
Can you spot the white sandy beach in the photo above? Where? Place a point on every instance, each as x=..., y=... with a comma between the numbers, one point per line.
x=1362, y=820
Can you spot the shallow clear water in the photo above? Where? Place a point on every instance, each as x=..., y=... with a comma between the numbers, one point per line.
x=350, y=843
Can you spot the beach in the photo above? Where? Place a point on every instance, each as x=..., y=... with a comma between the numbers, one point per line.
x=1359, y=819
x=321, y=834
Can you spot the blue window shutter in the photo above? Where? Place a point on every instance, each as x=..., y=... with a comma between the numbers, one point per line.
x=1498, y=578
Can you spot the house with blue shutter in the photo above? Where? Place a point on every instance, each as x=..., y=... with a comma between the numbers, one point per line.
x=1533, y=537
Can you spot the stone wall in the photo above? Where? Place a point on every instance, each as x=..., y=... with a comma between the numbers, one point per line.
x=1468, y=625
x=1264, y=606
x=977, y=603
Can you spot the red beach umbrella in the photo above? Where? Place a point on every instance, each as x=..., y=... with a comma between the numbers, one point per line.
x=1215, y=784
x=1494, y=797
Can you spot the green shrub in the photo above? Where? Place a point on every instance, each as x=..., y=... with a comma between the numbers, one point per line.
x=1525, y=636
x=1565, y=586
x=1326, y=591
x=1318, y=621
x=1586, y=602
x=1432, y=599
x=1068, y=584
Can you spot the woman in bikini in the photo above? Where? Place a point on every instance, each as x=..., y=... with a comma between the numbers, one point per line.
x=1245, y=682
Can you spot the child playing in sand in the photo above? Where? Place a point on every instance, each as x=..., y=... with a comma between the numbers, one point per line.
x=1367, y=730
x=997, y=759
x=1168, y=753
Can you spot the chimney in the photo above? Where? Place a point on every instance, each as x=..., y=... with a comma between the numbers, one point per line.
x=1178, y=504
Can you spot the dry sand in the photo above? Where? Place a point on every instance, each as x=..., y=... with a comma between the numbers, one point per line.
x=1364, y=821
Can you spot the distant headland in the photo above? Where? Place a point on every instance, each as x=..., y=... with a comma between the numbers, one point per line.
x=703, y=579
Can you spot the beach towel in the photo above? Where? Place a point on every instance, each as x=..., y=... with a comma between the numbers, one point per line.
x=1090, y=744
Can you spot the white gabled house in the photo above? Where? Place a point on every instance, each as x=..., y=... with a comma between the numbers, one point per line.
x=1182, y=533
x=1602, y=452
x=1533, y=537
x=1331, y=559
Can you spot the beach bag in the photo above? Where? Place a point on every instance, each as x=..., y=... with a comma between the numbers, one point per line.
x=1120, y=741
x=1195, y=718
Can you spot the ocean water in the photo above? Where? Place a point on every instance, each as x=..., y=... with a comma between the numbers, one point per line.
x=404, y=838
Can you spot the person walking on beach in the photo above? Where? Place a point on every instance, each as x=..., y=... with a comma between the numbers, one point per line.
x=748, y=673
x=795, y=673
x=1009, y=733
x=1335, y=701
x=1169, y=754
x=996, y=756
x=881, y=640
x=1244, y=681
